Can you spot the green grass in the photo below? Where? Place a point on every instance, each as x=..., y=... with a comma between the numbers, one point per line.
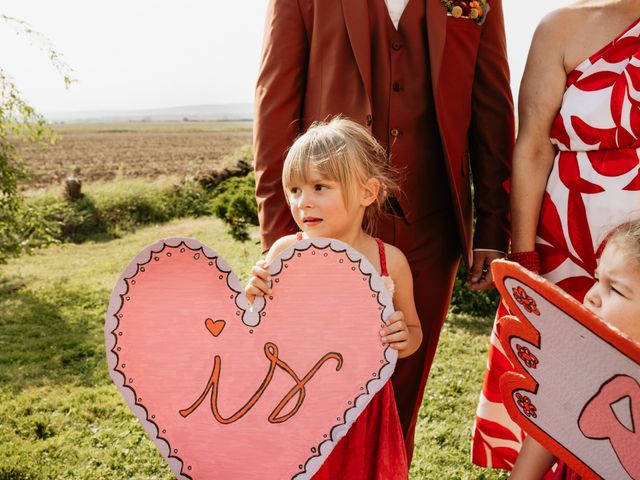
x=62, y=417
x=443, y=434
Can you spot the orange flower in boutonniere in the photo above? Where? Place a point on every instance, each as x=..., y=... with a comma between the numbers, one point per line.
x=475, y=10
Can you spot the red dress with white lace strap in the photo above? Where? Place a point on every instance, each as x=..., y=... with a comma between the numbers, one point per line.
x=373, y=448
x=594, y=186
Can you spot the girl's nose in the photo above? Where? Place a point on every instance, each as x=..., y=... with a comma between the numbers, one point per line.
x=304, y=200
x=592, y=299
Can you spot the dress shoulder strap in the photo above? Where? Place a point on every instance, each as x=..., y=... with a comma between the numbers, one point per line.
x=383, y=258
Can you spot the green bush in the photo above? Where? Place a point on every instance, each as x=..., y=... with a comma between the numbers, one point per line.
x=109, y=210
x=235, y=203
x=53, y=220
x=189, y=199
x=480, y=303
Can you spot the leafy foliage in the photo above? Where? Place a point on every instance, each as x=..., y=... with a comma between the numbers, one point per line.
x=482, y=303
x=108, y=211
x=235, y=203
x=19, y=122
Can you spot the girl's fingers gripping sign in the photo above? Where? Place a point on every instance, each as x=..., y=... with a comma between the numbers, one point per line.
x=396, y=334
x=260, y=281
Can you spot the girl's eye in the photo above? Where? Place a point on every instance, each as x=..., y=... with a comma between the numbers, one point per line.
x=294, y=190
x=318, y=187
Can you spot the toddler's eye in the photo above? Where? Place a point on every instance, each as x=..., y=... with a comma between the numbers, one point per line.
x=318, y=187
x=614, y=290
x=294, y=190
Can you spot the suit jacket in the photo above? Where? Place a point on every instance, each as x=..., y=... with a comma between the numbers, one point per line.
x=316, y=63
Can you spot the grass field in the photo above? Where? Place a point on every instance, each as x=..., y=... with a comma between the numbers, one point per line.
x=62, y=417
x=121, y=150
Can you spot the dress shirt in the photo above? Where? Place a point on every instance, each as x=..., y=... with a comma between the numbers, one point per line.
x=396, y=7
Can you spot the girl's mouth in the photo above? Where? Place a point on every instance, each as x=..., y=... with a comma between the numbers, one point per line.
x=311, y=221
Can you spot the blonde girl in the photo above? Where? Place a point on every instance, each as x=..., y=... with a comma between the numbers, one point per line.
x=336, y=183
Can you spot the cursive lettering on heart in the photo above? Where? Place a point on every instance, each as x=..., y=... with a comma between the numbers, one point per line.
x=271, y=352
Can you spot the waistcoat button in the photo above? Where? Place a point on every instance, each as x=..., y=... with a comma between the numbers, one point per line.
x=369, y=120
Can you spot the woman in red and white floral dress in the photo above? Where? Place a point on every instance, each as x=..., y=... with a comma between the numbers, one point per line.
x=567, y=191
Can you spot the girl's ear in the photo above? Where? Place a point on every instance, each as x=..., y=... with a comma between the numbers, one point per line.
x=370, y=191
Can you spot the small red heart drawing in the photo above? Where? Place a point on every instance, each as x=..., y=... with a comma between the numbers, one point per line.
x=215, y=328
x=230, y=392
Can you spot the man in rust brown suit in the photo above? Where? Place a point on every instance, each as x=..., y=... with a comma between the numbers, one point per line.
x=434, y=90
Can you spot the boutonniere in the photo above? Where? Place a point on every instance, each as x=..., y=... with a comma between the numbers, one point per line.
x=475, y=10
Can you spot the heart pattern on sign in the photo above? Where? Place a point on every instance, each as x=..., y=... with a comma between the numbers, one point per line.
x=215, y=328
x=228, y=391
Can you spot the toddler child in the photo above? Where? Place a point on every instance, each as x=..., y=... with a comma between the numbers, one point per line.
x=614, y=297
x=336, y=182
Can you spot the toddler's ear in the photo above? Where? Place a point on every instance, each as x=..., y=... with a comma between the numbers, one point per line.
x=370, y=191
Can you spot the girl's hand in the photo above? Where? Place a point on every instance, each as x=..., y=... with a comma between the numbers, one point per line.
x=396, y=334
x=260, y=283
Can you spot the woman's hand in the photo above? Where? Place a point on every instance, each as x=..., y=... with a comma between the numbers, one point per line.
x=260, y=283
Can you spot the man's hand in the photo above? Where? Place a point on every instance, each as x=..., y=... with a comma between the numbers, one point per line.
x=480, y=277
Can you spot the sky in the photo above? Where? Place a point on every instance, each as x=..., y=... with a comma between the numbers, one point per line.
x=141, y=54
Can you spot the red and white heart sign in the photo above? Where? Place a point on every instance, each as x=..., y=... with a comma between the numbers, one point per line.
x=229, y=392
x=576, y=384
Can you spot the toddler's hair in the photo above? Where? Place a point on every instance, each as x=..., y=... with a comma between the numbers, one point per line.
x=627, y=236
x=345, y=152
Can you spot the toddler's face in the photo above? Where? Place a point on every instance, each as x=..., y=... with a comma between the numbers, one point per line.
x=615, y=297
x=319, y=209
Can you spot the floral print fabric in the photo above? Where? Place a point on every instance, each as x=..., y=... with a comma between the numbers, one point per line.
x=594, y=185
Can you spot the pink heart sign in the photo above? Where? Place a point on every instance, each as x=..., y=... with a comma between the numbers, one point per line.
x=227, y=391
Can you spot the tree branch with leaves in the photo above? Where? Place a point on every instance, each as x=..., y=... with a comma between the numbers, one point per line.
x=20, y=122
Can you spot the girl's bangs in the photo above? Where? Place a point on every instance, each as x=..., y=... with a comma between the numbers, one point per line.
x=296, y=167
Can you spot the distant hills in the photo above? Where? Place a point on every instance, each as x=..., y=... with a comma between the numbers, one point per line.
x=232, y=111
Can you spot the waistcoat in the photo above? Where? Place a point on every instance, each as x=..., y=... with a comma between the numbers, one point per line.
x=403, y=108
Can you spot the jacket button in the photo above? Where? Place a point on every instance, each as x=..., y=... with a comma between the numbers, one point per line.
x=396, y=86
x=395, y=132
x=369, y=120
x=396, y=45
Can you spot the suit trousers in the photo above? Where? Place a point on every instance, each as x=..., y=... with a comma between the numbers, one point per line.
x=432, y=247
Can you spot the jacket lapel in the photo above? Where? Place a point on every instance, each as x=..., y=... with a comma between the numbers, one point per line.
x=356, y=17
x=437, y=33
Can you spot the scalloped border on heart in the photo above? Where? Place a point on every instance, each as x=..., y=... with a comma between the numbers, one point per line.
x=186, y=351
